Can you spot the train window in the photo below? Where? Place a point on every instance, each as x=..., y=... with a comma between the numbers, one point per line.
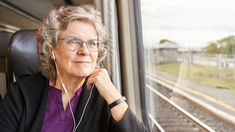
x=190, y=64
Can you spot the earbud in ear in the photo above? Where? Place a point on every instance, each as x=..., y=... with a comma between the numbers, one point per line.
x=53, y=55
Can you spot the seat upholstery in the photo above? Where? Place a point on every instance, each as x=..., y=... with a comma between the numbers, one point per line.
x=23, y=53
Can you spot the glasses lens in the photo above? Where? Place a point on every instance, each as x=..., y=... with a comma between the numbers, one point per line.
x=73, y=43
x=92, y=44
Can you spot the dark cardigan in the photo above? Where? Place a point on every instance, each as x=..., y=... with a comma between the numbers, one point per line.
x=23, y=109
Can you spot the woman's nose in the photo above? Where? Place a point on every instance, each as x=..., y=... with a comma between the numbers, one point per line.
x=83, y=49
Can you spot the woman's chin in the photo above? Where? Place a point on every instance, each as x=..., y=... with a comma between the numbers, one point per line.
x=83, y=73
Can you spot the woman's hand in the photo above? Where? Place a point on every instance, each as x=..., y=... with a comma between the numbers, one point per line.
x=104, y=85
x=107, y=90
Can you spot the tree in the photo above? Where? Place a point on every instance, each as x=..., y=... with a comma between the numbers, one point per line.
x=212, y=48
x=162, y=41
x=223, y=46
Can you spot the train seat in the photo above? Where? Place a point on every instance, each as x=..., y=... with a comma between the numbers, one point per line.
x=23, y=53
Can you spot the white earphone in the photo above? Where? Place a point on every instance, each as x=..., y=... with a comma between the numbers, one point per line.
x=53, y=55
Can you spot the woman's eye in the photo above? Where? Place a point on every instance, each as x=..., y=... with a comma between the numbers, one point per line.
x=72, y=40
x=92, y=43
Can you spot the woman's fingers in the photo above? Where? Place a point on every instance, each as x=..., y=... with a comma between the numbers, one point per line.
x=90, y=80
x=101, y=79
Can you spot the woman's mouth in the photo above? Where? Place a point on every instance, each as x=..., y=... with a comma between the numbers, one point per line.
x=82, y=62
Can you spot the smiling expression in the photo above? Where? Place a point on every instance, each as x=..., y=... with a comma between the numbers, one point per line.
x=80, y=62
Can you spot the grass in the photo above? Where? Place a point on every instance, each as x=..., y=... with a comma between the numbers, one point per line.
x=223, y=78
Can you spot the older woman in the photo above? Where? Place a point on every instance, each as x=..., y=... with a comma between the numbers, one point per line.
x=71, y=93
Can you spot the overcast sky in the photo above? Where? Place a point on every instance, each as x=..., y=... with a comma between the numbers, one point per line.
x=190, y=23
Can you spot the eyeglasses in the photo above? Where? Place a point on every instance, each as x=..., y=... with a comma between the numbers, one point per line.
x=74, y=43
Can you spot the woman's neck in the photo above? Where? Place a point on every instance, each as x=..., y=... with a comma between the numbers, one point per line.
x=72, y=84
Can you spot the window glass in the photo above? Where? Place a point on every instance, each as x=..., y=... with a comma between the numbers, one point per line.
x=190, y=48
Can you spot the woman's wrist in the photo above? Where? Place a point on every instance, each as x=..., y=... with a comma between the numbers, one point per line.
x=112, y=95
x=119, y=111
x=117, y=102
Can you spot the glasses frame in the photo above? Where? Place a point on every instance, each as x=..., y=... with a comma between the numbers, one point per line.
x=79, y=45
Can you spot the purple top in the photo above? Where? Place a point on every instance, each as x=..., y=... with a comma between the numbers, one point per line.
x=57, y=119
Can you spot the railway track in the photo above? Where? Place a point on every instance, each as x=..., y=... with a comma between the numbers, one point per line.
x=170, y=117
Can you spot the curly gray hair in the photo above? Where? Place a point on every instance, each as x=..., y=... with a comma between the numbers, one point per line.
x=58, y=21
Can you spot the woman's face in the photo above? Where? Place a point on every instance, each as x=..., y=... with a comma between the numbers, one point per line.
x=80, y=62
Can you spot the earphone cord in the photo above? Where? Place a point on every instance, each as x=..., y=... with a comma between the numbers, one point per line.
x=70, y=107
x=74, y=130
x=67, y=96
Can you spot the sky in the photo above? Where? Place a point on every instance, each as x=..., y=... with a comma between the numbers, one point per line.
x=190, y=23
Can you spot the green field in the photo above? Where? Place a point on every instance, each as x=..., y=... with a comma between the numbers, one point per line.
x=223, y=78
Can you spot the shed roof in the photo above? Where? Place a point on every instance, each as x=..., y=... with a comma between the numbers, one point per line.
x=168, y=45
